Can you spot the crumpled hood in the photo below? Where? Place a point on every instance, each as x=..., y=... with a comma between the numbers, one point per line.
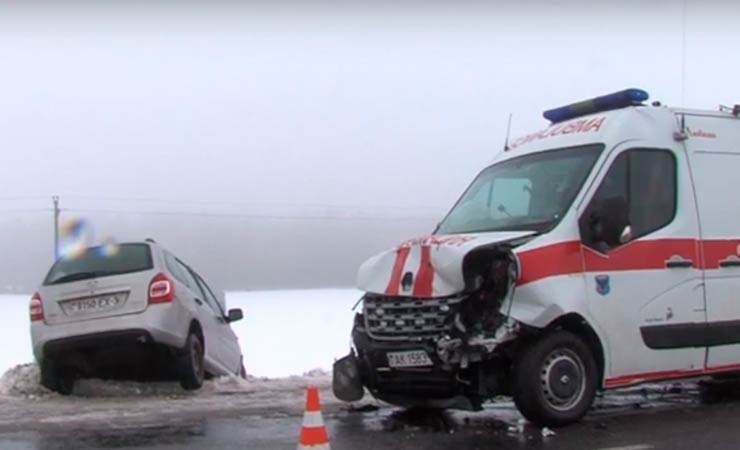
x=426, y=267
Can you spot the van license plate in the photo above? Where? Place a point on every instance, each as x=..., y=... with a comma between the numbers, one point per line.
x=416, y=358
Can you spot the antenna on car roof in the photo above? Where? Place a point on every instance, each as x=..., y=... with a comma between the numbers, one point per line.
x=508, y=134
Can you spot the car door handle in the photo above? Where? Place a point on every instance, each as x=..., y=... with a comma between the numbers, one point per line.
x=730, y=261
x=678, y=262
x=198, y=301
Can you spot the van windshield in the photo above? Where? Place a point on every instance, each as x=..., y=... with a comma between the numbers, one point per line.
x=531, y=192
x=100, y=262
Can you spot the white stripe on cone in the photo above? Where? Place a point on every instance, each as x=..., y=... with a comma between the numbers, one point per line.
x=313, y=419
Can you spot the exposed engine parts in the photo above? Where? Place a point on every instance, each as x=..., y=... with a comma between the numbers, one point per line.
x=456, y=351
x=481, y=323
x=463, y=329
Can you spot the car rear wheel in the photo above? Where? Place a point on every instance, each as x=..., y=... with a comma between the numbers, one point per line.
x=56, y=378
x=192, y=370
x=555, y=380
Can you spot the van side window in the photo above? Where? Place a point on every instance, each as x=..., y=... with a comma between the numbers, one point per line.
x=636, y=197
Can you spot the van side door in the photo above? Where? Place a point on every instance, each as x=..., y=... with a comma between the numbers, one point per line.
x=713, y=144
x=639, y=233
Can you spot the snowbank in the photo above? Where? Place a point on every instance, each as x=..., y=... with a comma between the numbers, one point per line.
x=283, y=332
x=23, y=381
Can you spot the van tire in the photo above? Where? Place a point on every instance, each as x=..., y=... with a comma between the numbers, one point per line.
x=56, y=378
x=555, y=379
x=190, y=364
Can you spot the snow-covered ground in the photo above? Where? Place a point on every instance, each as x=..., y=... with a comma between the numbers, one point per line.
x=14, y=331
x=24, y=404
x=283, y=333
x=290, y=332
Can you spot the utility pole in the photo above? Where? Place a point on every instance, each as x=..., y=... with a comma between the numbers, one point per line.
x=55, y=199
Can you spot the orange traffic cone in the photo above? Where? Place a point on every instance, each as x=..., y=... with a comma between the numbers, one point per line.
x=313, y=431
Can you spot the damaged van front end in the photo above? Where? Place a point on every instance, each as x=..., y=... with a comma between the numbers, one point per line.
x=450, y=320
x=438, y=336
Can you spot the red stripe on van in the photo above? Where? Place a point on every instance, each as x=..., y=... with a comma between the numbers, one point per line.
x=425, y=275
x=402, y=254
x=627, y=380
x=716, y=250
x=572, y=257
x=551, y=260
x=641, y=255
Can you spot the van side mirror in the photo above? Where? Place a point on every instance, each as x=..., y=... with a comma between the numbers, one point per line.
x=234, y=315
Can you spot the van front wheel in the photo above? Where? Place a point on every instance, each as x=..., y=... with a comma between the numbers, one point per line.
x=555, y=380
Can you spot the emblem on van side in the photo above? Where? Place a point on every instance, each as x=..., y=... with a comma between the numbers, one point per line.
x=603, y=287
x=697, y=132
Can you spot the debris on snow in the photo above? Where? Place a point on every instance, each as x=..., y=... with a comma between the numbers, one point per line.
x=519, y=427
x=546, y=432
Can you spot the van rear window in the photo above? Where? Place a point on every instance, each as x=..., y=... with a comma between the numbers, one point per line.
x=101, y=261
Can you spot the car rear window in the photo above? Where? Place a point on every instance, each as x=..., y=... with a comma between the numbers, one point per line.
x=101, y=261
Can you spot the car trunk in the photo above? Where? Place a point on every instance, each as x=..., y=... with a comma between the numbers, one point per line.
x=96, y=298
x=99, y=282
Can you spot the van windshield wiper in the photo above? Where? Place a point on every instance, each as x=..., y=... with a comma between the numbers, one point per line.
x=78, y=276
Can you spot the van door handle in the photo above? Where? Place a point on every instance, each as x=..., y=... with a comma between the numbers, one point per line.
x=198, y=301
x=730, y=261
x=678, y=262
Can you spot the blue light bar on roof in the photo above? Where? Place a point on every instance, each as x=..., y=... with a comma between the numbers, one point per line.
x=621, y=99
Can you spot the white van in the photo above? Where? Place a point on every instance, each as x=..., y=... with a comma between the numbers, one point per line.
x=599, y=253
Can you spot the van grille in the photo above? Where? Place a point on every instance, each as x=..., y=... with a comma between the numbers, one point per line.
x=402, y=318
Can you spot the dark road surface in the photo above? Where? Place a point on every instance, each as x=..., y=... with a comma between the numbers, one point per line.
x=660, y=417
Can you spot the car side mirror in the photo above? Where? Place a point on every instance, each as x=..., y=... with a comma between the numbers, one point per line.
x=234, y=315
x=626, y=235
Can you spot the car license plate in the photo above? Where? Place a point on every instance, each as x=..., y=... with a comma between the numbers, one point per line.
x=99, y=303
x=415, y=358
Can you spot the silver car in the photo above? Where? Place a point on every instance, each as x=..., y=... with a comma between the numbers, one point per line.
x=130, y=311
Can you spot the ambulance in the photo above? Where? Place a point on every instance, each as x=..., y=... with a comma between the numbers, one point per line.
x=598, y=253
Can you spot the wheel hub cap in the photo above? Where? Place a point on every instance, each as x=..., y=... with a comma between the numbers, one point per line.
x=563, y=379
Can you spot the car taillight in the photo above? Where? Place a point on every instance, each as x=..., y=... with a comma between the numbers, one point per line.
x=36, y=308
x=161, y=289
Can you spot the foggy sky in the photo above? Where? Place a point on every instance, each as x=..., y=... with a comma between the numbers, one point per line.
x=157, y=119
